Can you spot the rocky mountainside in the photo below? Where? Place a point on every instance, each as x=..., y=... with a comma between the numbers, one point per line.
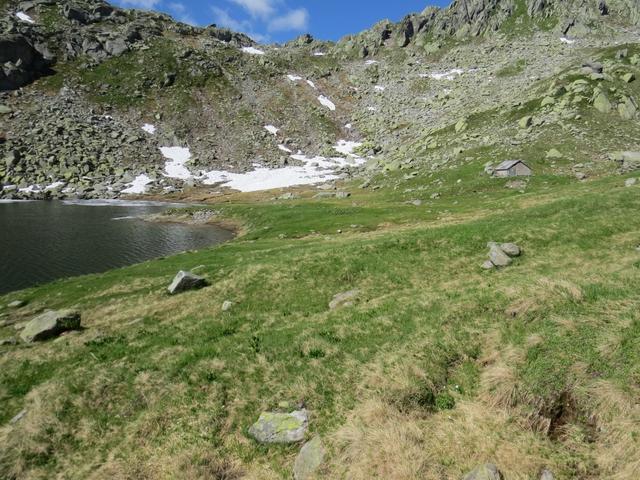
x=99, y=101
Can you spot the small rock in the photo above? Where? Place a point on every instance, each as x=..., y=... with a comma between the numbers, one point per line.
x=510, y=249
x=525, y=122
x=498, y=257
x=184, y=281
x=416, y=203
x=17, y=304
x=346, y=299
x=343, y=194
x=487, y=471
x=488, y=265
x=50, y=324
x=630, y=182
x=5, y=342
x=18, y=417
x=226, y=306
x=581, y=176
x=628, y=77
x=274, y=427
x=546, y=475
x=4, y=110
x=553, y=153
x=309, y=459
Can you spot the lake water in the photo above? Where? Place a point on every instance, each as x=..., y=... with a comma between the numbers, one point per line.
x=44, y=241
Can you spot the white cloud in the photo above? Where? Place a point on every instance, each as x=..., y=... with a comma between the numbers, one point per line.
x=224, y=19
x=182, y=13
x=294, y=20
x=258, y=8
x=148, y=4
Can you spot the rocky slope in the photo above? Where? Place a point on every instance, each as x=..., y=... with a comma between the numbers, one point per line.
x=81, y=79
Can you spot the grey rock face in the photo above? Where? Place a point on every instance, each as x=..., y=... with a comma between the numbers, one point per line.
x=274, y=427
x=510, y=249
x=21, y=62
x=50, y=324
x=487, y=471
x=184, y=281
x=309, y=459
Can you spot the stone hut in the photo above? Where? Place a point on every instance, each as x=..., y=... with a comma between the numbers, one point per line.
x=512, y=168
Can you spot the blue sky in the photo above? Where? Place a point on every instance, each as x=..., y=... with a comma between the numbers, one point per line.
x=282, y=20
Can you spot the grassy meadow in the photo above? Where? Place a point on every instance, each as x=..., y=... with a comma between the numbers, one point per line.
x=439, y=365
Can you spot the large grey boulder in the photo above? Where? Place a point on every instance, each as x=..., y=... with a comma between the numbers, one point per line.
x=488, y=471
x=309, y=459
x=510, y=249
x=184, y=281
x=50, y=324
x=273, y=427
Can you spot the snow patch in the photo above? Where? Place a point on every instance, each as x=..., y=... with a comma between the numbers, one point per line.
x=370, y=62
x=271, y=129
x=348, y=126
x=252, y=51
x=326, y=102
x=175, y=168
x=450, y=75
x=294, y=78
x=566, y=40
x=147, y=127
x=311, y=84
x=314, y=170
x=347, y=147
x=54, y=186
x=284, y=148
x=380, y=88
x=139, y=184
x=372, y=109
x=319, y=54
x=24, y=17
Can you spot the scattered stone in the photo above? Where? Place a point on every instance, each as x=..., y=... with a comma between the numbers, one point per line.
x=510, y=249
x=17, y=304
x=50, y=324
x=516, y=184
x=581, y=176
x=488, y=265
x=461, y=126
x=554, y=154
x=345, y=299
x=416, y=203
x=273, y=427
x=184, y=281
x=18, y=417
x=601, y=102
x=4, y=110
x=226, y=306
x=525, y=122
x=630, y=182
x=628, y=77
x=487, y=471
x=498, y=257
x=546, y=475
x=309, y=459
x=343, y=194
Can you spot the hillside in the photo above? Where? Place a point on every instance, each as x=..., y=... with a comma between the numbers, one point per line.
x=358, y=175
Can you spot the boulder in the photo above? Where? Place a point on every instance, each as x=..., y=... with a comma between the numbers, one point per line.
x=525, y=122
x=309, y=459
x=184, y=281
x=226, y=306
x=273, y=427
x=50, y=324
x=628, y=161
x=345, y=299
x=8, y=342
x=546, y=475
x=628, y=77
x=630, y=182
x=601, y=102
x=487, y=471
x=498, y=257
x=510, y=249
x=17, y=304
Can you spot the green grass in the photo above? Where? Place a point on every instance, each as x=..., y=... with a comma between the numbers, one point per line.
x=185, y=377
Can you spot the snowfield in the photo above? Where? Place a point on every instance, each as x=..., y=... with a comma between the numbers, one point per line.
x=147, y=127
x=271, y=129
x=450, y=75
